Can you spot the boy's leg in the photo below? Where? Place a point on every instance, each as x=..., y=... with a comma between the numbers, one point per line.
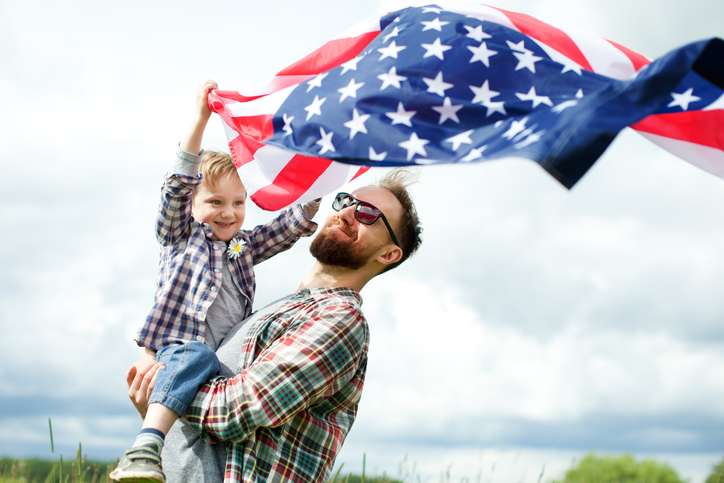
x=185, y=367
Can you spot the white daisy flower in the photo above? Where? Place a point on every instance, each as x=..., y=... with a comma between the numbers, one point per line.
x=235, y=247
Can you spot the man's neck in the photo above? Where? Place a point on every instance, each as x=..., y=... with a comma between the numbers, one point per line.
x=328, y=276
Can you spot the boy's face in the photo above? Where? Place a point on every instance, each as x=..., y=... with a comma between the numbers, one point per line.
x=221, y=207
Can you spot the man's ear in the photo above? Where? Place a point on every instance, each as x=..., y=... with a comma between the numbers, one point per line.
x=391, y=254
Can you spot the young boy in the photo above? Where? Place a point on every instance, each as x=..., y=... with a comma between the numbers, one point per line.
x=206, y=284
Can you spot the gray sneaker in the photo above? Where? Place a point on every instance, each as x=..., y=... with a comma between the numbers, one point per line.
x=139, y=465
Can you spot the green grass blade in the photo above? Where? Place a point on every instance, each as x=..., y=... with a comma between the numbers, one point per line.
x=50, y=430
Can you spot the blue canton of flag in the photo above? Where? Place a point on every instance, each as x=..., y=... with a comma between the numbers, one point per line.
x=441, y=87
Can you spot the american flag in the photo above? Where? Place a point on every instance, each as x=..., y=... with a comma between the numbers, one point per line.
x=428, y=85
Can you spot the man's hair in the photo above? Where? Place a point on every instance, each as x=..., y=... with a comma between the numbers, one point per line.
x=409, y=229
x=216, y=165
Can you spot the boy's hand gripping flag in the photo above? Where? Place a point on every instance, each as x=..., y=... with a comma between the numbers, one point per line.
x=428, y=86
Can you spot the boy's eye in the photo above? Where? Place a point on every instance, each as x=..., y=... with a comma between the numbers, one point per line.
x=238, y=203
x=215, y=202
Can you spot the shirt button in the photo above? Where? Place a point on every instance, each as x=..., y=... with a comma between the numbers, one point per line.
x=217, y=270
x=213, y=289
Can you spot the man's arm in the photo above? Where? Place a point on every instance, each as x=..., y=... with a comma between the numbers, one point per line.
x=174, y=217
x=309, y=362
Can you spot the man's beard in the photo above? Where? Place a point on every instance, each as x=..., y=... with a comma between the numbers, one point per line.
x=330, y=251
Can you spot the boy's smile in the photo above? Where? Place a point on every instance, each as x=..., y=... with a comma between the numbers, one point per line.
x=222, y=206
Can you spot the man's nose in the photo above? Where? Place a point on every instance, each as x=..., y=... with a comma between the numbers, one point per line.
x=347, y=215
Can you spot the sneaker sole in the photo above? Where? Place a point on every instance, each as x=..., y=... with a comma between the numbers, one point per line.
x=136, y=477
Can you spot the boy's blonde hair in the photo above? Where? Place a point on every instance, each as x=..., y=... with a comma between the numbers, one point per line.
x=216, y=165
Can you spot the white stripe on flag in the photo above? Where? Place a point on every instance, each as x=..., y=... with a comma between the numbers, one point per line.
x=263, y=169
x=268, y=104
x=709, y=159
x=333, y=178
x=718, y=104
x=604, y=58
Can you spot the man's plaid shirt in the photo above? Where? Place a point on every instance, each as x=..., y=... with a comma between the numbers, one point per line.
x=286, y=413
x=191, y=265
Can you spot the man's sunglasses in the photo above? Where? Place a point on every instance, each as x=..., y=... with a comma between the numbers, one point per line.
x=364, y=212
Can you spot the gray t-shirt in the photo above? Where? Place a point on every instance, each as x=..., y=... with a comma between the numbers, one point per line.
x=226, y=310
x=186, y=455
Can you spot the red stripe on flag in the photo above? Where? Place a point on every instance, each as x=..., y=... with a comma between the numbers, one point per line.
x=636, y=59
x=330, y=55
x=360, y=172
x=242, y=150
x=291, y=182
x=259, y=128
x=548, y=35
x=700, y=127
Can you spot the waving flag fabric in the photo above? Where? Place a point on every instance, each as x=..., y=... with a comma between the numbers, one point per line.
x=438, y=86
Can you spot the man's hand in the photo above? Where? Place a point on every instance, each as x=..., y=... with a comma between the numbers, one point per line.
x=141, y=378
x=310, y=208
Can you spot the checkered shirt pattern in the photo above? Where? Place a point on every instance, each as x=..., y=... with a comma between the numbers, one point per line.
x=192, y=261
x=285, y=415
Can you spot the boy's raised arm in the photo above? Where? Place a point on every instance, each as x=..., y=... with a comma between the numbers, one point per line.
x=174, y=217
x=192, y=143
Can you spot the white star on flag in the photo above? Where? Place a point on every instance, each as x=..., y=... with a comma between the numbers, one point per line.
x=391, y=50
x=516, y=127
x=462, y=138
x=401, y=116
x=474, y=154
x=496, y=106
x=437, y=85
x=394, y=33
x=481, y=53
x=483, y=93
x=476, y=33
x=315, y=108
x=351, y=64
x=569, y=65
x=519, y=47
x=350, y=90
x=325, y=141
x=375, y=156
x=434, y=24
x=683, y=99
x=526, y=60
x=430, y=10
x=564, y=105
x=316, y=82
x=448, y=111
x=533, y=137
x=287, y=124
x=414, y=145
x=391, y=79
x=534, y=98
x=436, y=49
x=357, y=123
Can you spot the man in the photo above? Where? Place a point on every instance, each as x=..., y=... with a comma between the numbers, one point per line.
x=295, y=369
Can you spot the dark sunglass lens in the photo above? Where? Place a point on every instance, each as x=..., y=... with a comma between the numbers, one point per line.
x=341, y=201
x=367, y=214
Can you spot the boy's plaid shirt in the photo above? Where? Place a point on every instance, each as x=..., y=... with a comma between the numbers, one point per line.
x=286, y=413
x=191, y=265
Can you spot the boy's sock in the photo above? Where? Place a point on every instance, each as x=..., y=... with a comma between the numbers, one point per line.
x=150, y=437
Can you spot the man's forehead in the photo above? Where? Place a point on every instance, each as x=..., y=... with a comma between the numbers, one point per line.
x=382, y=198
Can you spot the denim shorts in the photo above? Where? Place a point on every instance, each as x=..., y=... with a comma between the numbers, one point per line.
x=187, y=365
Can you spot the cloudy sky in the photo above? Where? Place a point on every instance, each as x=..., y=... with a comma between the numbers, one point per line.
x=534, y=325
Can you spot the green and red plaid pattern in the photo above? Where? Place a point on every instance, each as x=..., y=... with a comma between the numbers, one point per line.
x=285, y=415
